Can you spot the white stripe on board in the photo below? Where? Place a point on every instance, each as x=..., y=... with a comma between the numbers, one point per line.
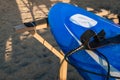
x=73, y=35
x=103, y=63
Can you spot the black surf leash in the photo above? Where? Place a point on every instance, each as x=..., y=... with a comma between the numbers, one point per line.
x=98, y=40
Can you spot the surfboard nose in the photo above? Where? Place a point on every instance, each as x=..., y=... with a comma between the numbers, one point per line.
x=68, y=23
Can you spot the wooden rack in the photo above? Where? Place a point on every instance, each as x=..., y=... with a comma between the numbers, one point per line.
x=41, y=24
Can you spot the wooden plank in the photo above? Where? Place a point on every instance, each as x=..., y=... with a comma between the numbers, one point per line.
x=40, y=25
x=22, y=28
x=63, y=69
x=47, y=45
x=43, y=23
x=28, y=26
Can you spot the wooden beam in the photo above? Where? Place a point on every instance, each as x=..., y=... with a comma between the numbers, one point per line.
x=22, y=28
x=47, y=45
x=28, y=26
x=63, y=69
x=32, y=29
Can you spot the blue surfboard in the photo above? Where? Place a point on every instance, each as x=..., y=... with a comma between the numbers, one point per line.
x=68, y=23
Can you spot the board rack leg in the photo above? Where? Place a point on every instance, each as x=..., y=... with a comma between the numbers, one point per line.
x=22, y=28
x=63, y=69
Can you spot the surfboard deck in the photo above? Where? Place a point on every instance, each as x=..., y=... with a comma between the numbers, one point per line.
x=68, y=22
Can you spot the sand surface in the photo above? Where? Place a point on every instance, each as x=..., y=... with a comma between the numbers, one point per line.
x=21, y=56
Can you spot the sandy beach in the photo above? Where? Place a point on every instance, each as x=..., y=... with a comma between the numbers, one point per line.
x=21, y=56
